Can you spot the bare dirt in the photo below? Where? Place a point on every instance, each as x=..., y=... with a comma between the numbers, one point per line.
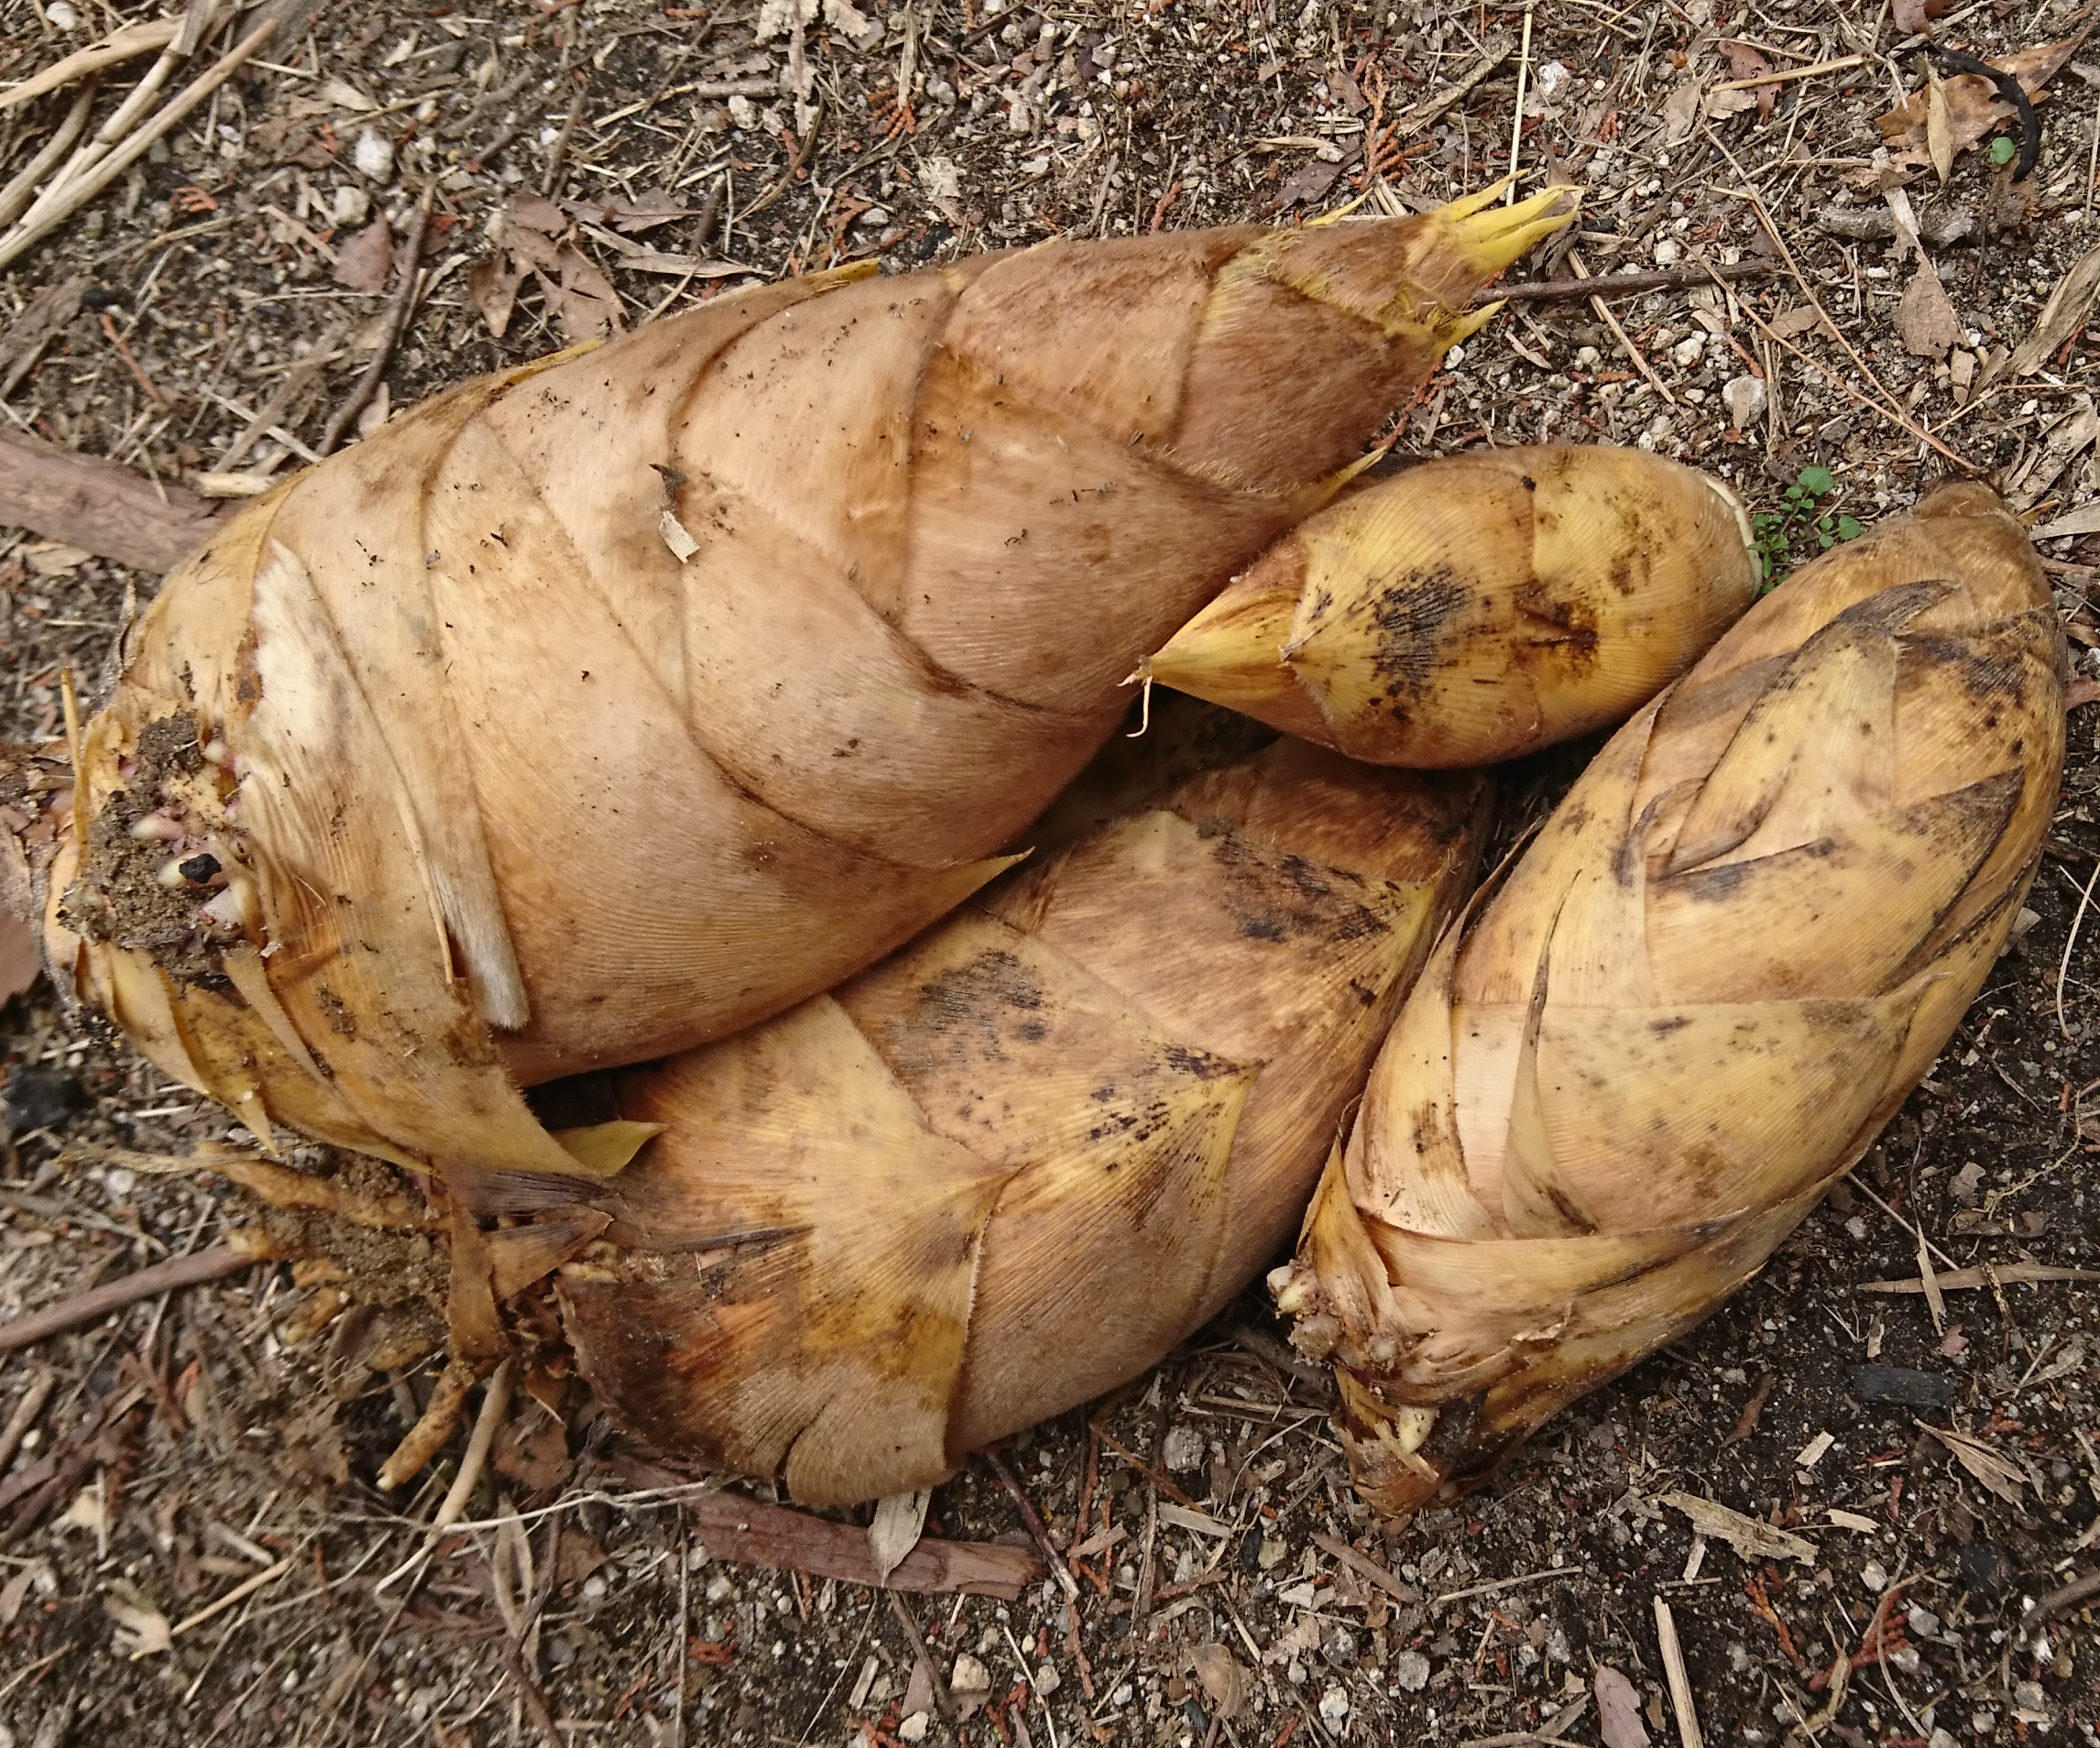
x=188, y=1447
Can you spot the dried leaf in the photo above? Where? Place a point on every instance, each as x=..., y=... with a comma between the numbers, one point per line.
x=362, y=262
x=941, y=182
x=2004, y=1479
x=583, y=299
x=340, y=93
x=1618, y=1711
x=87, y=1512
x=533, y=1450
x=1973, y=106
x=1746, y=62
x=19, y=962
x=492, y=284
x=1223, y=1677
x=576, y=1556
x=2068, y=306
x=856, y=26
x=1680, y=112
x=1751, y=1539
x=2070, y=436
x=246, y=483
x=652, y=207
x=1925, y=318
x=900, y=1520
x=532, y=213
x=1911, y=16
x=1938, y=127
x=143, y=1630
x=1308, y=184
x=15, y=1591
x=377, y=411
x=1301, y=1636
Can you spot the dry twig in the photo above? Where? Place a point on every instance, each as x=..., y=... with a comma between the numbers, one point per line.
x=748, y=1532
x=60, y=204
x=398, y=307
x=213, y=1264
x=1885, y=406
x=1619, y=284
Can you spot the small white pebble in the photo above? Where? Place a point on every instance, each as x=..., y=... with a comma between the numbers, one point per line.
x=915, y=1728
x=1687, y=351
x=594, y=1587
x=1668, y=251
x=63, y=16
x=350, y=204
x=374, y=155
x=1183, y=1449
x=1333, y=1708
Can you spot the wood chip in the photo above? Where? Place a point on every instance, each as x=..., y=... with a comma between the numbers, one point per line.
x=677, y=536
x=1751, y=1539
x=1201, y=1522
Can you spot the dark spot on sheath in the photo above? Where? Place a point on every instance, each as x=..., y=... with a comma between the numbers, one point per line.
x=1410, y=615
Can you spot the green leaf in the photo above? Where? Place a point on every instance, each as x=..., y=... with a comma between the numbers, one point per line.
x=1849, y=528
x=1817, y=480
x=2002, y=151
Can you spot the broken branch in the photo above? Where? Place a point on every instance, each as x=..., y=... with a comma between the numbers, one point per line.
x=99, y=506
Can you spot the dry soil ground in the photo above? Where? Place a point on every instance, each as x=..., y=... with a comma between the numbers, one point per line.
x=1234, y=1591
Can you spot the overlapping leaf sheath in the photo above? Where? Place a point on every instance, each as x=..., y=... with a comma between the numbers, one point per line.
x=1735, y=947
x=1013, y=1164
x=592, y=711
x=1475, y=608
